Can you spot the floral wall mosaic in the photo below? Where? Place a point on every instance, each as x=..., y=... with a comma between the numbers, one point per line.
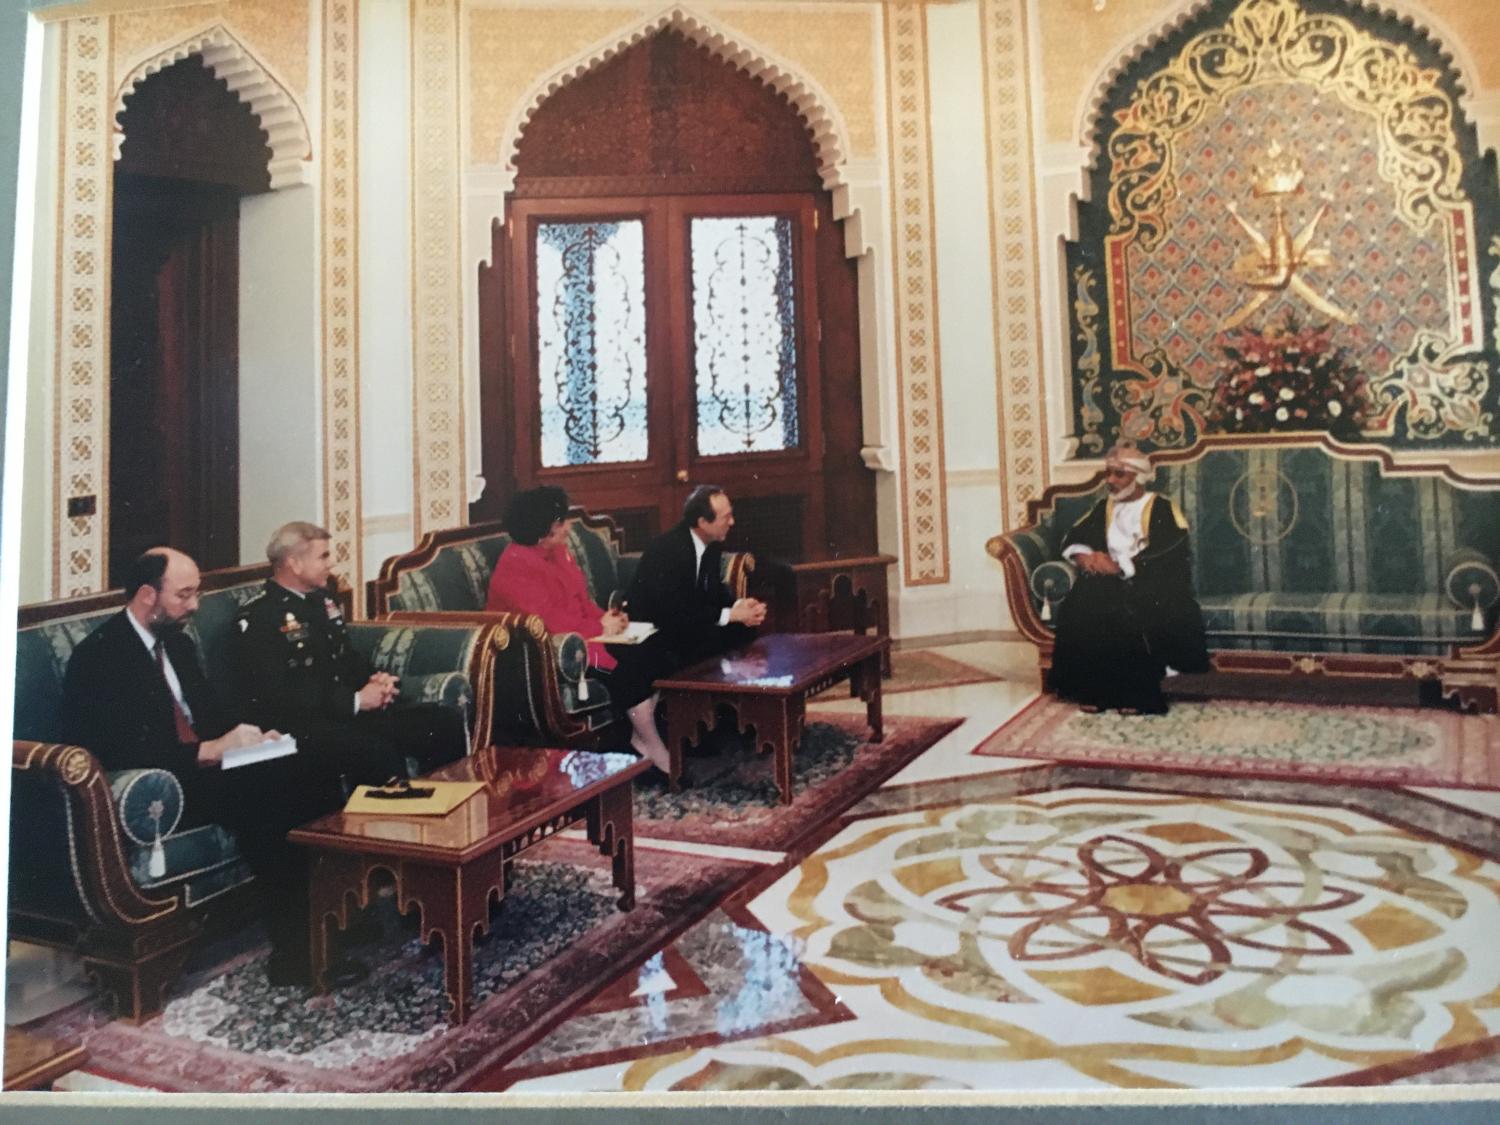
x=1276, y=165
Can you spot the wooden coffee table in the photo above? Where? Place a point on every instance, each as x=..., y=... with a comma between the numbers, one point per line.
x=34, y=1063
x=451, y=866
x=767, y=686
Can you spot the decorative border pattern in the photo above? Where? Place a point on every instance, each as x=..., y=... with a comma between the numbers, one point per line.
x=80, y=465
x=924, y=494
x=340, y=282
x=437, y=296
x=1014, y=267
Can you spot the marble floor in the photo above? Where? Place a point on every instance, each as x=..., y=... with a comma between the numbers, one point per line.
x=992, y=924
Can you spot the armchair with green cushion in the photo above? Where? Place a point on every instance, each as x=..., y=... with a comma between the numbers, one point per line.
x=1310, y=557
x=544, y=692
x=97, y=866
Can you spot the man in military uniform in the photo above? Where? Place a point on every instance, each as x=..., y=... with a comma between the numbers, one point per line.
x=298, y=672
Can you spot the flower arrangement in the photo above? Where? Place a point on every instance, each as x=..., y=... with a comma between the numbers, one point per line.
x=1288, y=377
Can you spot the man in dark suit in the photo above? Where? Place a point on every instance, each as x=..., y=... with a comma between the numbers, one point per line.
x=297, y=671
x=136, y=697
x=678, y=589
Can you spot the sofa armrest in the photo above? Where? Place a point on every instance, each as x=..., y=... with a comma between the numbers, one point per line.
x=1029, y=563
x=148, y=804
x=69, y=872
x=452, y=689
x=735, y=568
x=1472, y=584
x=448, y=662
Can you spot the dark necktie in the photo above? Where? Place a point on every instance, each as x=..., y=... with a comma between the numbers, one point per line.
x=185, y=731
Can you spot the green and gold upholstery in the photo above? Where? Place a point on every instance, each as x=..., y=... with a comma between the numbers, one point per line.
x=1298, y=549
x=97, y=864
x=545, y=690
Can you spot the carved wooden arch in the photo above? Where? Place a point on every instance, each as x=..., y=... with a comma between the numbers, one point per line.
x=249, y=80
x=1453, y=53
x=825, y=122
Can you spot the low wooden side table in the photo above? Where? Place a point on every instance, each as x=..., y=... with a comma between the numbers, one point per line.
x=34, y=1063
x=767, y=685
x=832, y=595
x=451, y=866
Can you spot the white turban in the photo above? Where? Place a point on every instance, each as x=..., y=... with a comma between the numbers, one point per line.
x=1131, y=459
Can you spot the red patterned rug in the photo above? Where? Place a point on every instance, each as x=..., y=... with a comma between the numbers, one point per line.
x=921, y=669
x=1360, y=745
x=730, y=797
x=556, y=941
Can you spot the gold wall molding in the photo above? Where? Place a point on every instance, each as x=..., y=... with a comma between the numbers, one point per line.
x=918, y=363
x=1014, y=265
x=81, y=405
x=248, y=79
x=440, y=498
x=1455, y=48
x=340, y=287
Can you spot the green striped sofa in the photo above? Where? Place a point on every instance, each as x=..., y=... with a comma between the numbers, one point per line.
x=97, y=866
x=545, y=692
x=1309, y=557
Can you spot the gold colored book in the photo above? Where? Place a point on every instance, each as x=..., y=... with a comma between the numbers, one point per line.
x=444, y=797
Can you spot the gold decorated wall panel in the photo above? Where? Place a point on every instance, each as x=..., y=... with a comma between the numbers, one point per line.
x=275, y=31
x=836, y=49
x=918, y=364
x=81, y=410
x=340, y=286
x=510, y=49
x=438, y=468
x=1015, y=272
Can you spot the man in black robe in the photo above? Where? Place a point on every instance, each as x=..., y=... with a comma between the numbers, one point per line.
x=1131, y=617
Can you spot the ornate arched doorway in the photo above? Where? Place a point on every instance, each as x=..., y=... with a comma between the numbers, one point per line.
x=669, y=303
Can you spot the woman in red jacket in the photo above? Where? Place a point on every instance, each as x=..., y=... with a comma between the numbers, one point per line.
x=537, y=574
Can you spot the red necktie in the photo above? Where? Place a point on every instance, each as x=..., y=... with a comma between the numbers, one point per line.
x=185, y=731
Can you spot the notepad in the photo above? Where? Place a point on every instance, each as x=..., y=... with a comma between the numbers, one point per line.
x=446, y=796
x=281, y=747
x=634, y=634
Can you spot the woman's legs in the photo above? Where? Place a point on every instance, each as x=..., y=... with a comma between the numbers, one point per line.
x=644, y=737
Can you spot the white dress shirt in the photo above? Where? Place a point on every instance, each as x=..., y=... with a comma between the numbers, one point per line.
x=150, y=640
x=699, y=547
x=1123, y=537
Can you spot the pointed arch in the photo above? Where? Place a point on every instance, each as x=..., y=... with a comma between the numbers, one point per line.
x=1452, y=51
x=248, y=79
x=825, y=122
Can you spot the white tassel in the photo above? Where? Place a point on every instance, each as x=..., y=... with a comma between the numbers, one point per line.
x=1046, y=608
x=583, y=687
x=157, y=866
x=1476, y=619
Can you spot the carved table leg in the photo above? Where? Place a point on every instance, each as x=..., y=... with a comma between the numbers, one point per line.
x=684, y=710
x=867, y=675
x=610, y=829
x=778, y=728
x=437, y=891
x=333, y=877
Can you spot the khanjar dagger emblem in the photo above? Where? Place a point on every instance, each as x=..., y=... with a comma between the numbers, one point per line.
x=1277, y=262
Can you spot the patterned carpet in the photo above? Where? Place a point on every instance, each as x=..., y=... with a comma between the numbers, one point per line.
x=921, y=669
x=554, y=942
x=1359, y=745
x=730, y=797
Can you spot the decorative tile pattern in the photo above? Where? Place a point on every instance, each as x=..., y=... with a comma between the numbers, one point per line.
x=81, y=413
x=340, y=166
x=1106, y=929
x=1013, y=246
x=437, y=302
x=924, y=504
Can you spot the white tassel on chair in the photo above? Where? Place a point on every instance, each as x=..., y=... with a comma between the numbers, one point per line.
x=1046, y=608
x=156, y=866
x=1476, y=619
x=583, y=687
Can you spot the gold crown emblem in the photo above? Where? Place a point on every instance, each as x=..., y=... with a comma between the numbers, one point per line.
x=1281, y=174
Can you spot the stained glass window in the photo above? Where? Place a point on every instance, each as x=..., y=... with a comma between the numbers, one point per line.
x=744, y=334
x=591, y=341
